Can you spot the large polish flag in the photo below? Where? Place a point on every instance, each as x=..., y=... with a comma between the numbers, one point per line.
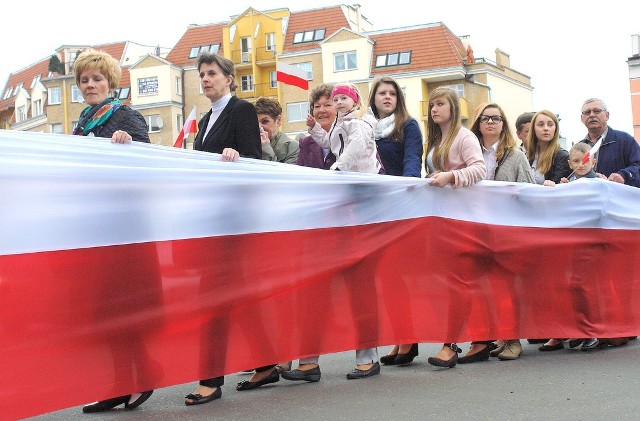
x=291, y=75
x=132, y=267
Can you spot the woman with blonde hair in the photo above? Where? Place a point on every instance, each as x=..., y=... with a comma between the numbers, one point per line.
x=548, y=160
x=454, y=158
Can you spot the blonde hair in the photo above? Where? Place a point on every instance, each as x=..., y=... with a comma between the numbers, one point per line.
x=101, y=61
x=506, y=142
x=545, y=159
x=435, y=141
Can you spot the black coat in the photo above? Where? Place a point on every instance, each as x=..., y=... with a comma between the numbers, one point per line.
x=236, y=127
x=126, y=119
x=559, y=166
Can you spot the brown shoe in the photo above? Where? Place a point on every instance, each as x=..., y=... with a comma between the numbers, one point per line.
x=512, y=350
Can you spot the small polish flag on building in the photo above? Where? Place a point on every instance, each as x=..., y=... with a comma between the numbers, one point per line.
x=190, y=126
x=291, y=75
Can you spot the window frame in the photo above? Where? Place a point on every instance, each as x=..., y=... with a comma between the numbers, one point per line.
x=151, y=82
x=402, y=58
x=75, y=91
x=248, y=78
x=51, y=96
x=345, y=55
x=153, y=126
x=302, y=111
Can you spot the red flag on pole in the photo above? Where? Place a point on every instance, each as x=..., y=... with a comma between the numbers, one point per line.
x=190, y=126
x=291, y=75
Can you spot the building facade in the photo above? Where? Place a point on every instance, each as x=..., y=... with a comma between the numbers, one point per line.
x=634, y=84
x=332, y=44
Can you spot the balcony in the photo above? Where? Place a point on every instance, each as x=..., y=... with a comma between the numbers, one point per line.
x=241, y=59
x=464, y=109
x=260, y=89
x=266, y=55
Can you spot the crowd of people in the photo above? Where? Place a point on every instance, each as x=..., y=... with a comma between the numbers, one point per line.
x=381, y=138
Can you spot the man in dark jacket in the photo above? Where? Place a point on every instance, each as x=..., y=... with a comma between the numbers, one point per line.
x=619, y=156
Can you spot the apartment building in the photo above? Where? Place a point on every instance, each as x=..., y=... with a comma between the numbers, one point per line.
x=332, y=44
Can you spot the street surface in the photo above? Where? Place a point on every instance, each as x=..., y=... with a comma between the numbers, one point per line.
x=559, y=385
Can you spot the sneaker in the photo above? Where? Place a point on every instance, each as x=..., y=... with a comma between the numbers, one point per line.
x=512, y=350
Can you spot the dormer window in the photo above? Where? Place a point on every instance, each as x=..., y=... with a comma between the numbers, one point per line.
x=393, y=59
x=211, y=48
x=308, y=36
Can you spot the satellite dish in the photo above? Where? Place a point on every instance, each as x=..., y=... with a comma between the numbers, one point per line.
x=160, y=122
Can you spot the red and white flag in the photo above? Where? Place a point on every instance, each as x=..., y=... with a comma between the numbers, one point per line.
x=593, y=151
x=291, y=75
x=117, y=257
x=189, y=126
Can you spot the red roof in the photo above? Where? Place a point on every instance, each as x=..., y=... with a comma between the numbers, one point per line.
x=432, y=47
x=330, y=19
x=193, y=37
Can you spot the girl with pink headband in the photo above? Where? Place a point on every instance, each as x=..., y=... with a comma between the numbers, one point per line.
x=351, y=137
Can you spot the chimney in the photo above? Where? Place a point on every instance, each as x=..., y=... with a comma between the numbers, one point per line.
x=502, y=59
x=635, y=45
x=356, y=7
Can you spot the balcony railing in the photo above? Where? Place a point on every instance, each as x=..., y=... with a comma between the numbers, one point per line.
x=260, y=89
x=266, y=53
x=241, y=57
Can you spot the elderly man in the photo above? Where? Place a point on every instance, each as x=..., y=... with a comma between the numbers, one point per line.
x=618, y=159
x=619, y=156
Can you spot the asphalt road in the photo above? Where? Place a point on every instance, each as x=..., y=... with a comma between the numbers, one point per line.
x=559, y=385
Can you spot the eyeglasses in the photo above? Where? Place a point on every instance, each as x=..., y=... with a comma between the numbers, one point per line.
x=494, y=118
x=595, y=111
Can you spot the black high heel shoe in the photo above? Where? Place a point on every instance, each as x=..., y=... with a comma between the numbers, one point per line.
x=451, y=362
x=389, y=359
x=402, y=359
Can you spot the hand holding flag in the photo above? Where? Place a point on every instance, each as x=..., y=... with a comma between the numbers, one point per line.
x=190, y=126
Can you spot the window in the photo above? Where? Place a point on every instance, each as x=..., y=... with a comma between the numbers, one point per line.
x=344, y=61
x=22, y=113
x=123, y=93
x=297, y=111
x=148, y=86
x=308, y=36
x=270, y=41
x=36, y=108
x=393, y=59
x=246, y=83
x=459, y=88
x=18, y=89
x=154, y=122
x=76, y=95
x=273, y=80
x=178, y=85
x=245, y=48
x=56, y=128
x=8, y=93
x=306, y=66
x=54, y=95
x=211, y=48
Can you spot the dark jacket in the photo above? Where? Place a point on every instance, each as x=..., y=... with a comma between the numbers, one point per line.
x=619, y=152
x=236, y=127
x=403, y=158
x=127, y=119
x=311, y=155
x=559, y=166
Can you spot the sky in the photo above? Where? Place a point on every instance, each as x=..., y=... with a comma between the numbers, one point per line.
x=571, y=50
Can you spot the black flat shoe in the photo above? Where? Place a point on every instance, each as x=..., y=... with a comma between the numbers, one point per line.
x=403, y=359
x=593, y=344
x=537, y=341
x=106, y=404
x=555, y=347
x=139, y=401
x=312, y=375
x=482, y=355
x=198, y=399
x=389, y=359
x=450, y=363
x=574, y=343
x=247, y=385
x=361, y=374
